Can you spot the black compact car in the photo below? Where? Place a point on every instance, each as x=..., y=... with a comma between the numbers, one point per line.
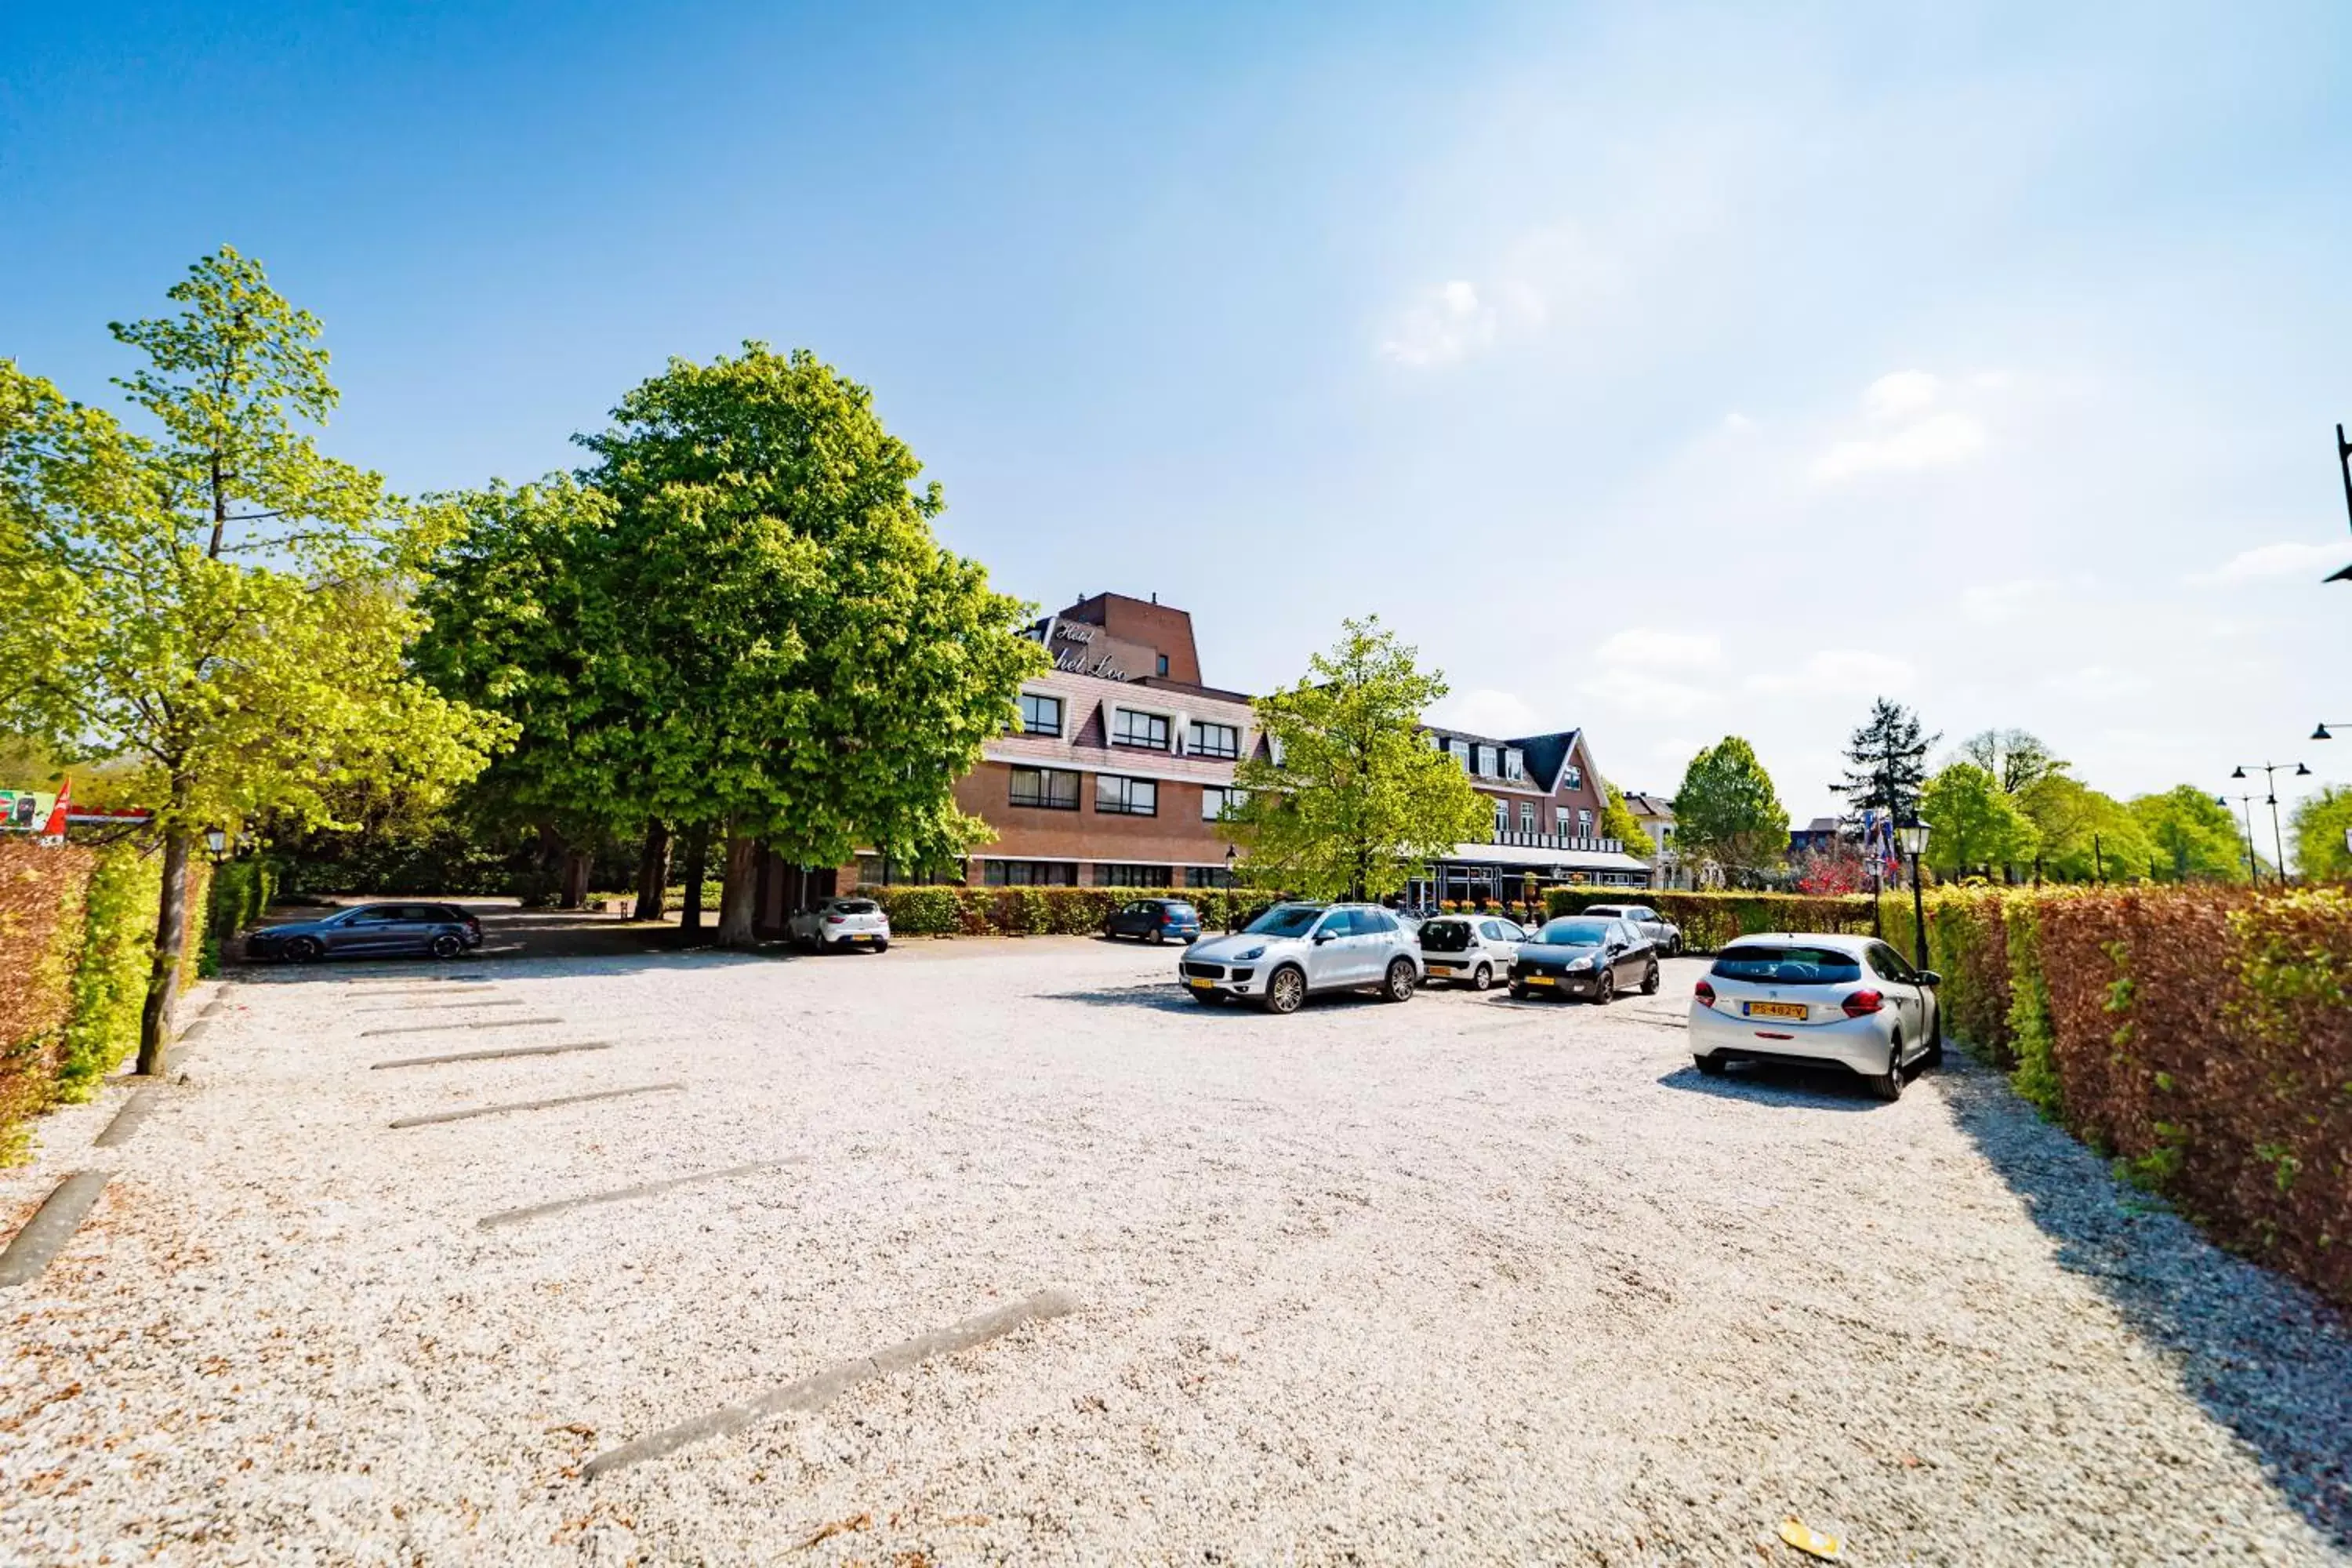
x=1155, y=920
x=442, y=931
x=1584, y=955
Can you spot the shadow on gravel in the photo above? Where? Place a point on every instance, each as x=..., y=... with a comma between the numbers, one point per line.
x=2264, y=1357
x=509, y=933
x=1769, y=1083
x=1167, y=996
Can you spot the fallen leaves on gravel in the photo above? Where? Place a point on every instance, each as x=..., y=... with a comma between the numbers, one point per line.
x=839, y=1527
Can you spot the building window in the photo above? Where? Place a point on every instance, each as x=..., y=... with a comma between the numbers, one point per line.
x=1031, y=874
x=1216, y=800
x=1583, y=824
x=1163, y=667
x=1210, y=877
x=1515, y=765
x=1461, y=750
x=1134, y=876
x=1502, y=817
x=1141, y=729
x=1054, y=789
x=1040, y=715
x=1125, y=797
x=1571, y=777
x=1560, y=820
x=1526, y=818
x=1215, y=741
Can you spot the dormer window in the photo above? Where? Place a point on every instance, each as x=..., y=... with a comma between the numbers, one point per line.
x=1571, y=777
x=1146, y=730
x=1515, y=765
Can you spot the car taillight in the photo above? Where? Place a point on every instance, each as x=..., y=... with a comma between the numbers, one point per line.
x=1704, y=992
x=1862, y=1003
x=834, y=920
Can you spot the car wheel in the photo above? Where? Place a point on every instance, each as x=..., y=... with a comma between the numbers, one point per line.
x=1935, y=1056
x=882, y=945
x=1711, y=1066
x=1398, y=986
x=1604, y=989
x=446, y=946
x=1650, y=980
x=1287, y=992
x=1674, y=945
x=303, y=950
x=1518, y=993
x=1888, y=1085
x=1158, y=937
x=1482, y=977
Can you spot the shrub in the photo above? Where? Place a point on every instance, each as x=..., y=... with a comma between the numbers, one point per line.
x=1711, y=921
x=42, y=891
x=110, y=986
x=240, y=894
x=1039, y=911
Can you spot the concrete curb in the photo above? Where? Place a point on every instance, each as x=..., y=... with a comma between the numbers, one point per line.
x=51, y=1226
x=491, y=1056
x=439, y=1117
x=446, y=1029
x=622, y=1194
x=126, y=1120
x=814, y=1392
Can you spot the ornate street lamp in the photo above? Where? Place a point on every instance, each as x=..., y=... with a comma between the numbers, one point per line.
x=2270, y=779
x=1912, y=837
x=2246, y=808
x=217, y=842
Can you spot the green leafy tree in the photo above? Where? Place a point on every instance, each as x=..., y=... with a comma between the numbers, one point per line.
x=1618, y=821
x=1887, y=762
x=804, y=665
x=2194, y=837
x=2320, y=823
x=2081, y=835
x=1353, y=801
x=2015, y=758
x=220, y=607
x=1973, y=821
x=1727, y=811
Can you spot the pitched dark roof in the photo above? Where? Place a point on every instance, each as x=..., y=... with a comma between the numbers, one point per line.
x=1546, y=754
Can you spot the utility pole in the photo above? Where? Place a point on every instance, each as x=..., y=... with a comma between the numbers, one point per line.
x=2098, y=860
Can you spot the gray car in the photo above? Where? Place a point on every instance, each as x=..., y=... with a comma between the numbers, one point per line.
x=1294, y=951
x=442, y=931
x=1662, y=933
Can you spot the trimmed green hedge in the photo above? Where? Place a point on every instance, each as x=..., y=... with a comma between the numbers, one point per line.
x=110, y=984
x=1041, y=911
x=240, y=894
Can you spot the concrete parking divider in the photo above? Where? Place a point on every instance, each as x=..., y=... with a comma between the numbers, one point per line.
x=491, y=1056
x=52, y=1225
x=438, y=1118
x=814, y=1392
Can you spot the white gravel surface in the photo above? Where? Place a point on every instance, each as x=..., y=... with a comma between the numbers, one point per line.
x=1462, y=1279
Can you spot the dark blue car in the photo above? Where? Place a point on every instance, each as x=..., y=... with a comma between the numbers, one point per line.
x=442, y=931
x=1156, y=920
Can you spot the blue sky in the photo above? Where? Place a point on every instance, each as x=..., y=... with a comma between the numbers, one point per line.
x=1672, y=371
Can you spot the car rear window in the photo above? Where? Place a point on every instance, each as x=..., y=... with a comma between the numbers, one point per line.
x=1606, y=912
x=1574, y=933
x=1447, y=936
x=1788, y=965
x=854, y=906
x=1181, y=911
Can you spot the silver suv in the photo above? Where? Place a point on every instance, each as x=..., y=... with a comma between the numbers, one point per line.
x=1293, y=950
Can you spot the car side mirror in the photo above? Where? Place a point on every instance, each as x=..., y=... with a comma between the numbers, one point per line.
x=1929, y=978
x=1321, y=937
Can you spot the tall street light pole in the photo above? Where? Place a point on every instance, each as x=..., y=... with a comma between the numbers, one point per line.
x=2270, y=779
x=1912, y=837
x=2246, y=806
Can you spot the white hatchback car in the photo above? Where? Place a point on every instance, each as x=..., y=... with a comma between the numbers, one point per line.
x=1295, y=949
x=1817, y=1001
x=1469, y=950
x=841, y=922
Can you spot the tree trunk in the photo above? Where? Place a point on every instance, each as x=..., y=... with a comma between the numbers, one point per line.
x=577, y=864
x=697, y=863
x=736, y=898
x=653, y=871
x=171, y=941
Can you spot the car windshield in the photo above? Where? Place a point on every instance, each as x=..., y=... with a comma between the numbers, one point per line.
x=1574, y=933
x=1606, y=912
x=1447, y=936
x=853, y=906
x=1788, y=965
x=1285, y=920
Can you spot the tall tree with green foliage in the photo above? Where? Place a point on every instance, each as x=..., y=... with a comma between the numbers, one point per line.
x=2015, y=758
x=2084, y=836
x=804, y=665
x=2320, y=823
x=1618, y=821
x=1353, y=800
x=1973, y=822
x=2196, y=837
x=220, y=604
x=1727, y=811
x=1887, y=762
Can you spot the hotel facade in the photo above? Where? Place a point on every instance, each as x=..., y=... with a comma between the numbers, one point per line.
x=1121, y=764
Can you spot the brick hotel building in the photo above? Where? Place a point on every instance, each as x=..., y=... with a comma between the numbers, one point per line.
x=1122, y=761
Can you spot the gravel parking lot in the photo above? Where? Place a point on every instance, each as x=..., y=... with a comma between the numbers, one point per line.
x=1459, y=1279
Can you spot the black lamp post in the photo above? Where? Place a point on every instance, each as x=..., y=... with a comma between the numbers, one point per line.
x=2343, y=461
x=1912, y=837
x=2321, y=732
x=2270, y=780
x=2246, y=805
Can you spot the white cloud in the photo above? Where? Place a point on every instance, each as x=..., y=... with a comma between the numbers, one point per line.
x=1487, y=710
x=1905, y=429
x=1738, y=423
x=1901, y=393
x=1539, y=275
x=1841, y=672
x=1449, y=323
x=1647, y=647
x=2267, y=562
x=1994, y=602
x=2096, y=682
x=1635, y=690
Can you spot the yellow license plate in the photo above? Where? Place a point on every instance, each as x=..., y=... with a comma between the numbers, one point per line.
x=1775, y=1009
x=1540, y=980
x=1441, y=969
x=1202, y=984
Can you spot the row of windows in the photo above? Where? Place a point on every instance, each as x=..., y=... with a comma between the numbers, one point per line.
x=1559, y=819
x=1057, y=789
x=1065, y=874
x=1150, y=732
